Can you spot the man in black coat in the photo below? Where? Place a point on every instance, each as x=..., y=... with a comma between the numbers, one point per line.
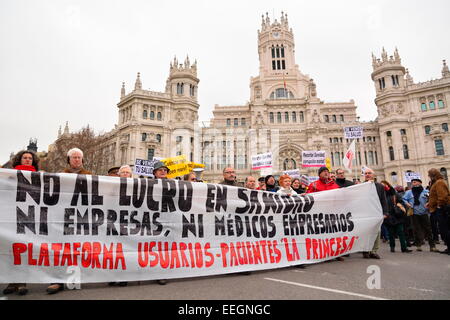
x=369, y=176
x=340, y=179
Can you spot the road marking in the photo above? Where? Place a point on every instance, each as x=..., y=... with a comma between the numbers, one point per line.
x=299, y=271
x=426, y=290
x=326, y=289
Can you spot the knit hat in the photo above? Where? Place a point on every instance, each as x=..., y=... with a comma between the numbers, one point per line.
x=323, y=169
x=418, y=180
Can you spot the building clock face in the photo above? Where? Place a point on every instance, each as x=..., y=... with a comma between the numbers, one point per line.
x=276, y=35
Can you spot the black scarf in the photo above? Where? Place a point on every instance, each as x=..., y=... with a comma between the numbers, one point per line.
x=416, y=193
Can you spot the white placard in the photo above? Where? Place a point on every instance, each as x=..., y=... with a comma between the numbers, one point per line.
x=353, y=132
x=411, y=175
x=261, y=161
x=144, y=167
x=313, y=158
x=293, y=173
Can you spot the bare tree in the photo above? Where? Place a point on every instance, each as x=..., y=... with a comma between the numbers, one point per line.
x=86, y=140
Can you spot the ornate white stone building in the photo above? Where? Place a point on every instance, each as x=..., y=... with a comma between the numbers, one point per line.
x=286, y=116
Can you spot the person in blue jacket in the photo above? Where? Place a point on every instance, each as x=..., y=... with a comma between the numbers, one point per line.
x=416, y=198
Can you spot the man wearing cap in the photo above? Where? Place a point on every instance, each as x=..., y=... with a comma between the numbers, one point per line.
x=324, y=183
x=113, y=172
x=416, y=198
x=160, y=171
x=369, y=176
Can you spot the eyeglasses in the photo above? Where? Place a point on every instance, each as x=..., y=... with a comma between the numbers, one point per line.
x=229, y=172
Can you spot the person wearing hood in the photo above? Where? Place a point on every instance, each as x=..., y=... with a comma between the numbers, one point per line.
x=416, y=198
x=324, y=183
x=285, y=185
x=270, y=183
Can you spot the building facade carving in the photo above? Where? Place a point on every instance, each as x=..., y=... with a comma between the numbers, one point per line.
x=286, y=116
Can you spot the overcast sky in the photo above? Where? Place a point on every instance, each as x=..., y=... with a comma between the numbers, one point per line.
x=65, y=60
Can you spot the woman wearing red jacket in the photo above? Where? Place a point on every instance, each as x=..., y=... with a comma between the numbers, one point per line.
x=27, y=161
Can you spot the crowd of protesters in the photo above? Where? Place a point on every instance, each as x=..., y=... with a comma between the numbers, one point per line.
x=413, y=215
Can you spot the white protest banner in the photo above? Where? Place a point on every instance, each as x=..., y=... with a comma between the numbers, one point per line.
x=353, y=132
x=144, y=167
x=411, y=175
x=293, y=173
x=119, y=229
x=313, y=158
x=261, y=161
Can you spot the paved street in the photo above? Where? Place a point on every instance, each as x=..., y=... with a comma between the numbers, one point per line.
x=417, y=275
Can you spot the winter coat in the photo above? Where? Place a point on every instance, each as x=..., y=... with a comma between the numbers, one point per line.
x=439, y=195
x=319, y=185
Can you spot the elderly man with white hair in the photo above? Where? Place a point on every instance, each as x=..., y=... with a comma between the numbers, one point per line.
x=75, y=162
x=125, y=171
x=75, y=165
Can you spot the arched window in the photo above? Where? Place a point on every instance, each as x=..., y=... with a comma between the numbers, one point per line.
x=334, y=118
x=394, y=177
x=286, y=116
x=144, y=114
x=271, y=117
x=391, y=153
x=403, y=132
x=281, y=93
x=439, y=147
x=445, y=127
x=371, y=159
x=159, y=116
x=423, y=106
x=144, y=136
x=294, y=116
x=342, y=117
x=302, y=118
x=441, y=104
x=279, y=117
x=152, y=115
x=432, y=105
x=158, y=137
x=326, y=118
x=388, y=134
x=427, y=129
x=289, y=164
x=405, y=152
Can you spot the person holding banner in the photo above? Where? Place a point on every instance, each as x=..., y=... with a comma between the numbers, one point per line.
x=369, y=176
x=439, y=204
x=297, y=186
x=416, y=199
x=160, y=171
x=285, y=185
x=250, y=183
x=270, y=183
x=340, y=179
x=229, y=177
x=26, y=161
x=123, y=172
x=75, y=165
x=324, y=183
x=75, y=162
x=261, y=184
x=190, y=177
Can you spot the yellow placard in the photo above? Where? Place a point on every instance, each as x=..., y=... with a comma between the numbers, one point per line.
x=179, y=166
